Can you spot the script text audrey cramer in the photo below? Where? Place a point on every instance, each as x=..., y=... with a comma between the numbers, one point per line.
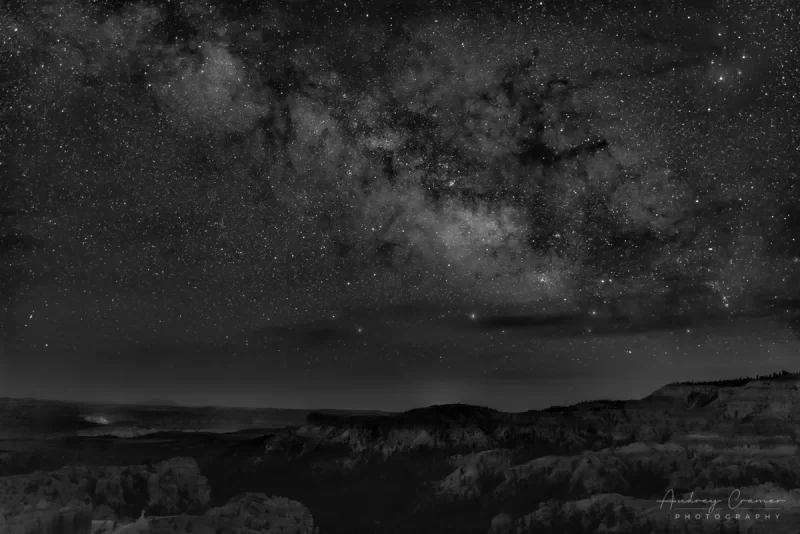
x=735, y=501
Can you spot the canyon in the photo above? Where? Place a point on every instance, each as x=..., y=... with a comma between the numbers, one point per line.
x=648, y=465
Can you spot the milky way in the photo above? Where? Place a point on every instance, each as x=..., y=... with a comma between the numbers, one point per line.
x=285, y=181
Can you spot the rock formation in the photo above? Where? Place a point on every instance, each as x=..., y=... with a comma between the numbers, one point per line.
x=168, y=487
x=174, y=495
x=74, y=518
x=257, y=512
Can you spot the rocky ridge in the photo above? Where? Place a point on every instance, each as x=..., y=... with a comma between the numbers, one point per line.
x=605, y=463
x=172, y=496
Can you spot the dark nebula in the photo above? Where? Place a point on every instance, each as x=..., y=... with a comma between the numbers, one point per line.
x=391, y=204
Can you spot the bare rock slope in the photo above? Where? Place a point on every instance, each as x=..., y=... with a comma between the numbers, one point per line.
x=172, y=496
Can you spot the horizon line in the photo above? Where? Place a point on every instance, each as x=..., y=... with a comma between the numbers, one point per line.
x=176, y=404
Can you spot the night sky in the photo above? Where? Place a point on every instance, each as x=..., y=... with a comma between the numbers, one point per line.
x=389, y=205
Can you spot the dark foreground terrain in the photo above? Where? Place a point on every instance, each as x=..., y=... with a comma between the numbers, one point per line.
x=594, y=467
